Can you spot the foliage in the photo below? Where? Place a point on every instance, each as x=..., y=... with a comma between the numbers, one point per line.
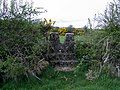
x=76, y=31
x=104, y=48
x=55, y=29
x=24, y=44
x=21, y=43
x=90, y=53
x=46, y=27
x=79, y=31
x=62, y=31
x=54, y=80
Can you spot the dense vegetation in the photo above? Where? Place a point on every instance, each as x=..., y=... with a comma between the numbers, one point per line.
x=23, y=48
x=55, y=80
x=21, y=43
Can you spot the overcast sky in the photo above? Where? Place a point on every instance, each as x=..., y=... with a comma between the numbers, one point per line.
x=71, y=12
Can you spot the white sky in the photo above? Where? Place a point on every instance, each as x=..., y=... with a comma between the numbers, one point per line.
x=71, y=12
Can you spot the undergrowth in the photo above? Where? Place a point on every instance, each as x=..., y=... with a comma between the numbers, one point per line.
x=55, y=80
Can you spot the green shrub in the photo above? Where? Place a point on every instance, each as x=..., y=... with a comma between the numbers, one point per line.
x=22, y=44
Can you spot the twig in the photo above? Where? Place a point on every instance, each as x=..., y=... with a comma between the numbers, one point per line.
x=107, y=51
x=36, y=76
x=105, y=59
x=101, y=40
x=118, y=69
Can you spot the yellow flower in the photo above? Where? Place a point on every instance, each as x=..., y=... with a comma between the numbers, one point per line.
x=62, y=31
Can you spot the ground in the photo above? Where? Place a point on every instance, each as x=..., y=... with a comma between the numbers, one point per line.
x=55, y=80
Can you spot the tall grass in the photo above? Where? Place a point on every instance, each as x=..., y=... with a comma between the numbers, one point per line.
x=55, y=80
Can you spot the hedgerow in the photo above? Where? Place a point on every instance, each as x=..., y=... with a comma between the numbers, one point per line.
x=22, y=43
